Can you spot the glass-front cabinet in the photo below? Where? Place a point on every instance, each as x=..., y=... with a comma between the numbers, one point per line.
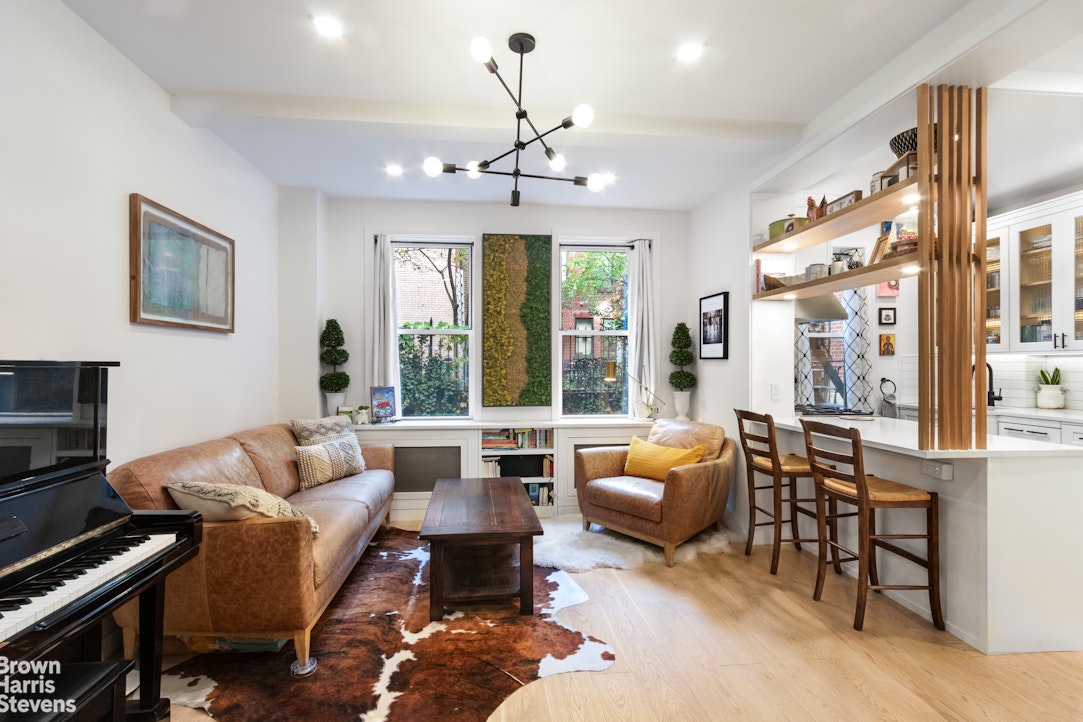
x=1045, y=276
x=995, y=340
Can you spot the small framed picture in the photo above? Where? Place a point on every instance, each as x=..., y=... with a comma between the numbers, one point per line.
x=887, y=315
x=880, y=248
x=714, y=328
x=383, y=404
x=844, y=202
x=887, y=344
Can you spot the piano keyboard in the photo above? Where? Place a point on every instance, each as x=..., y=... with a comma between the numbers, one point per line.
x=34, y=601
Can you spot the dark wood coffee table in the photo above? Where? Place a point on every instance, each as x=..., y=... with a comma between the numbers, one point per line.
x=481, y=542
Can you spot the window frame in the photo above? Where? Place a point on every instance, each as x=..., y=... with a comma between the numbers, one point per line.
x=470, y=244
x=607, y=245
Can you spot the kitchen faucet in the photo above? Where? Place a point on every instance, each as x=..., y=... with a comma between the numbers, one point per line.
x=991, y=396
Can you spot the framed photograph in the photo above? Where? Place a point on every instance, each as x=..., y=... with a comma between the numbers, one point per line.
x=887, y=344
x=383, y=404
x=844, y=202
x=181, y=272
x=887, y=315
x=714, y=326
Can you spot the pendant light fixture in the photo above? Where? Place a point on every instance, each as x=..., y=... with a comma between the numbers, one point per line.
x=582, y=116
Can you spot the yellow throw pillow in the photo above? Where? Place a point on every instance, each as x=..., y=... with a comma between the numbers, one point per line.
x=652, y=461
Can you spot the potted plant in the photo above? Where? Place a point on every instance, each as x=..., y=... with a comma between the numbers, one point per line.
x=682, y=380
x=1050, y=395
x=334, y=383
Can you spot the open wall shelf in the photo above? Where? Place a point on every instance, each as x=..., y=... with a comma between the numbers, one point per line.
x=887, y=270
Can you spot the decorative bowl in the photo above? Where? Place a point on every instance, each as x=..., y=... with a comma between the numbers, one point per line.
x=907, y=141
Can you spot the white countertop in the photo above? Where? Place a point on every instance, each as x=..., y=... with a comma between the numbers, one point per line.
x=1065, y=416
x=901, y=437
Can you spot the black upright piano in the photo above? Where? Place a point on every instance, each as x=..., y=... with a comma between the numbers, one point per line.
x=72, y=551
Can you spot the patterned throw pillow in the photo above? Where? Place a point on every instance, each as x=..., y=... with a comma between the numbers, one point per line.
x=652, y=461
x=228, y=502
x=316, y=431
x=320, y=463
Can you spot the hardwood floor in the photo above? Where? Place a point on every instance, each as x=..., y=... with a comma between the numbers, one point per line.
x=720, y=638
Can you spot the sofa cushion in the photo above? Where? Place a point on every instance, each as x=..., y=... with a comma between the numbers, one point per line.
x=632, y=495
x=686, y=434
x=316, y=431
x=226, y=502
x=331, y=460
x=653, y=461
x=372, y=488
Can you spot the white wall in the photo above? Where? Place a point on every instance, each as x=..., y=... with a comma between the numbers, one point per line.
x=342, y=280
x=81, y=129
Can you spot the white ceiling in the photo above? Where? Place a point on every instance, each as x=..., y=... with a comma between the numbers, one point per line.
x=400, y=85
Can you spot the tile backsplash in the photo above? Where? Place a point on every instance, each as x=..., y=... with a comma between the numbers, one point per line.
x=1015, y=377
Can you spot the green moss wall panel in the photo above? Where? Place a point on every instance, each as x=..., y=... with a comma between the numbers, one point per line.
x=516, y=365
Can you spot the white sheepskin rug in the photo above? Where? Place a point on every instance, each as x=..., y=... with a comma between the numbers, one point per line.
x=566, y=546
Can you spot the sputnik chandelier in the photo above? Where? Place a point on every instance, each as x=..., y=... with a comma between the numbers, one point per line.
x=582, y=116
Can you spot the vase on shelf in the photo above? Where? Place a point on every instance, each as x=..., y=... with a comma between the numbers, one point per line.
x=682, y=401
x=1050, y=396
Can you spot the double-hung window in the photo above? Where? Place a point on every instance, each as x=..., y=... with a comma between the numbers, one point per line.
x=435, y=324
x=594, y=311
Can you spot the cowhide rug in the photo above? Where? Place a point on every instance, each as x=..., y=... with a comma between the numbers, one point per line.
x=566, y=545
x=380, y=658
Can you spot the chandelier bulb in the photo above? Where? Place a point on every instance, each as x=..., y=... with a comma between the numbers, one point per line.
x=595, y=182
x=556, y=160
x=432, y=166
x=472, y=170
x=583, y=116
x=481, y=50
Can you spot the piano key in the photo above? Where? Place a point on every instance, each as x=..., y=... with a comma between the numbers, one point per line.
x=41, y=607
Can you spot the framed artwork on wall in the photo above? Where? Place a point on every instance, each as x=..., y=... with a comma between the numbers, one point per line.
x=181, y=272
x=887, y=315
x=887, y=344
x=714, y=330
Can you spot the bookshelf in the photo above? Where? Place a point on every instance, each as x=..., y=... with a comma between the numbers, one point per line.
x=526, y=452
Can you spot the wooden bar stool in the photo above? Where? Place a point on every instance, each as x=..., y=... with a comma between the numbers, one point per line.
x=761, y=455
x=868, y=493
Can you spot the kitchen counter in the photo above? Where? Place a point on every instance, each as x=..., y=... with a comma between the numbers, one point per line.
x=1066, y=416
x=901, y=437
x=1009, y=554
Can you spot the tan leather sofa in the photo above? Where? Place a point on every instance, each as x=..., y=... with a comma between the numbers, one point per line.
x=264, y=577
x=668, y=513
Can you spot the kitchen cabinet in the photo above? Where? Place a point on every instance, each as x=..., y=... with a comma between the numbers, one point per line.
x=1042, y=278
x=997, y=303
x=1029, y=429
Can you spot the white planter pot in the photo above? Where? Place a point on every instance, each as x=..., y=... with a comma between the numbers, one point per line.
x=333, y=402
x=1050, y=396
x=682, y=401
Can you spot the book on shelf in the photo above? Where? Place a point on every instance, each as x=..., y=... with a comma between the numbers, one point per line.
x=533, y=490
x=543, y=495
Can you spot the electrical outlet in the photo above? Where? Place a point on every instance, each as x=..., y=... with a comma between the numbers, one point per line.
x=942, y=470
x=776, y=392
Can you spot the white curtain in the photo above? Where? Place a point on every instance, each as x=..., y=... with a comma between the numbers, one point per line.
x=641, y=325
x=385, y=347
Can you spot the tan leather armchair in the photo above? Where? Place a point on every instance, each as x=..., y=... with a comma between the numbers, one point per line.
x=666, y=513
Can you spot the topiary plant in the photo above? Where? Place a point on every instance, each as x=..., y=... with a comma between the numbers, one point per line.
x=681, y=356
x=334, y=356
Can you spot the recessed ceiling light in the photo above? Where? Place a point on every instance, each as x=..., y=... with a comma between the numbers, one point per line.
x=393, y=169
x=327, y=26
x=690, y=52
